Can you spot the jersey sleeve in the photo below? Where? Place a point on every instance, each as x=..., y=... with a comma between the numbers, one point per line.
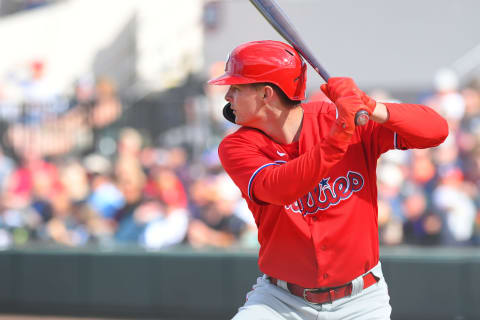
x=243, y=160
x=276, y=182
x=409, y=126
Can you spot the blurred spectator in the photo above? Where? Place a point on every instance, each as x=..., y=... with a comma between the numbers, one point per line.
x=471, y=95
x=165, y=186
x=107, y=106
x=389, y=227
x=64, y=226
x=422, y=227
x=177, y=160
x=446, y=99
x=165, y=226
x=129, y=144
x=228, y=191
x=391, y=175
x=131, y=182
x=145, y=218
x=83, y=93
x=41, y=98
x=422, y=168
x=103, y=115
x=446, y=155
x=74, y=179
x=35, y=178
x=105, y=197
x=214, y=222
x=469, y=135
x=456, y=206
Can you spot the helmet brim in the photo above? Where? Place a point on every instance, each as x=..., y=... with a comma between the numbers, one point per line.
x=227, y=79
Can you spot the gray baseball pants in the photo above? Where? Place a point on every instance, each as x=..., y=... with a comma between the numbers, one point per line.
x=270, y=302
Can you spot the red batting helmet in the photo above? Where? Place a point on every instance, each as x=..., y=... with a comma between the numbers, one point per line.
x=266, y=61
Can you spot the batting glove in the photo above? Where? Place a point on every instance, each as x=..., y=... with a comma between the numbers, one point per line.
x=341, y=87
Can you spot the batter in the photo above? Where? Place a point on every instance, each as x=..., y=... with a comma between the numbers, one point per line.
x=308, y=175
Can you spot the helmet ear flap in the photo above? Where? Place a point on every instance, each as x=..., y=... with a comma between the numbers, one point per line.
x=228, y=113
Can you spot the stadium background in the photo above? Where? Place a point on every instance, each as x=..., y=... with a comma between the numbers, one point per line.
x=109, y=136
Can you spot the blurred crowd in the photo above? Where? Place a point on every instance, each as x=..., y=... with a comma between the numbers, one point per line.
x=73, y=175
x=432, y=197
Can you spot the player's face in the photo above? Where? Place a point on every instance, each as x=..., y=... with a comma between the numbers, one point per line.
x=246, y=104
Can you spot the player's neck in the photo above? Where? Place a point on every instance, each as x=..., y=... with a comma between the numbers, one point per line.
x=285, y=125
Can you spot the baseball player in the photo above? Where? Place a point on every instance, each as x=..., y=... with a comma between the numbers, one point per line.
x=308, y=176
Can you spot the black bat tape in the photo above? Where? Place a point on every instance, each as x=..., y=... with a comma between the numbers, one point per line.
x=280, y=22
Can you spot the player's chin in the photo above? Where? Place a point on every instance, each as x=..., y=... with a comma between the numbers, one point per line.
x=239, y=121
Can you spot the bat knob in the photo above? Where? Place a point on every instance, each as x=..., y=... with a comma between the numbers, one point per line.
x=361, y=118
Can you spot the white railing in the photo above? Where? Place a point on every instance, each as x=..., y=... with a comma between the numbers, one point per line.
x=468, y=63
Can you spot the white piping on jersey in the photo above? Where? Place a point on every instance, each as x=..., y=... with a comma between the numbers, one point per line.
x=395, y=140
x=336, y=113
x=276, y=163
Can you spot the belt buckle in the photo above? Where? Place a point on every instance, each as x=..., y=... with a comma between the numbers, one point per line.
x=305, y=295
x=330, y=293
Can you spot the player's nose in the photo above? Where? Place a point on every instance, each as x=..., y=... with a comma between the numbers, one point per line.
x=228, y=95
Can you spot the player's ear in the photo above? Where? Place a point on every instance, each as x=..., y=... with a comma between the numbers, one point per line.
x=268, y=92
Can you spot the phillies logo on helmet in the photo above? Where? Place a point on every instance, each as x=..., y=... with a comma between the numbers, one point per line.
x=325, y=195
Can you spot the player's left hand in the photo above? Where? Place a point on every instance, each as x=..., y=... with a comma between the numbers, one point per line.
x=340, y=87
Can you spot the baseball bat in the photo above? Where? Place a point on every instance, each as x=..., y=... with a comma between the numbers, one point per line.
x=272, y=12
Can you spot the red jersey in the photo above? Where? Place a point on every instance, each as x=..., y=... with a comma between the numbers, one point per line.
x=317, y=217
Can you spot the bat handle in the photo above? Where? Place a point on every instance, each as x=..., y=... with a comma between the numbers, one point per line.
x=361, y=118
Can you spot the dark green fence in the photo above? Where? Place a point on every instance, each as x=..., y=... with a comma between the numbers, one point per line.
x=188, y=284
